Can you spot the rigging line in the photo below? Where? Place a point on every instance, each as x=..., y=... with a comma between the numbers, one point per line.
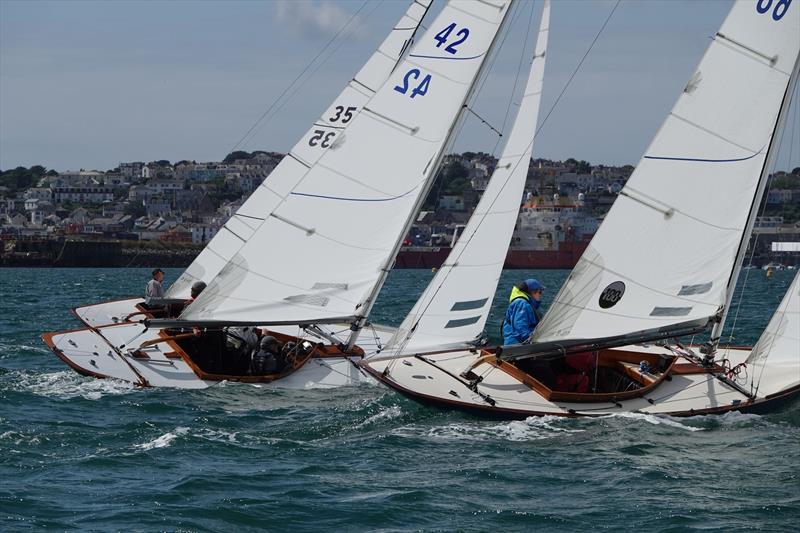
x=483, y=121
x=314, y=72
x=577, y=68
x=566, y=86
x=755, y=236
x=479, y=86
x=516, y=78
x=519, y=160
x=289, y=87
x=446, y=272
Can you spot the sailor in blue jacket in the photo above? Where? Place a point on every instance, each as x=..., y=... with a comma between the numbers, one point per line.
x=522, y=314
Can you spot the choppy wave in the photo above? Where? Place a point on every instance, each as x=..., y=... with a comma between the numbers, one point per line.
x=530, y=429
x=164, y=440
x=656, y=420
x=66, y=384
x=384, y=415
x=18, y=438
x=80, y=453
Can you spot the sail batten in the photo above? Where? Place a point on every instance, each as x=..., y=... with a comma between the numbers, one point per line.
x=668, y=248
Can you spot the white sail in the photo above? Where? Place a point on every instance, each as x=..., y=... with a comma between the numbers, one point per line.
x=337, y=117
x=453, y=310
x=774, y=363
x=665, y=252
x=320, y=251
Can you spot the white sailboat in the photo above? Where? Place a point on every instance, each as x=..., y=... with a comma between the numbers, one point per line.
x=321, y=236
x=663, y=264
x=231, y=237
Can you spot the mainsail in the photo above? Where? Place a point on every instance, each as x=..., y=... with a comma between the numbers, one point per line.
x=664, y=255
x=452, y=311
x=774, y=359
x=325, y=239
x=336, y=118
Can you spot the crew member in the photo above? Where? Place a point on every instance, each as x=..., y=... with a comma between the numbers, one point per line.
x=154, y=289
x=197, y=288
x=522, y=314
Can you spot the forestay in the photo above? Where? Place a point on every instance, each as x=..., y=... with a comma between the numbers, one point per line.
x=452, y=311
x=773, y=363
x=309, y=148
x=665, y=252
x=324, y=245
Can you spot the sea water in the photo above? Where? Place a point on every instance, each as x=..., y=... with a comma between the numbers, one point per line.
x=80, y=453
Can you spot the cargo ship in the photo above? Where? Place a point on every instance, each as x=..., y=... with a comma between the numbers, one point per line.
x=549, y=235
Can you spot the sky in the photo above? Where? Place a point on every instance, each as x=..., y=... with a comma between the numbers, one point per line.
x=92, y=84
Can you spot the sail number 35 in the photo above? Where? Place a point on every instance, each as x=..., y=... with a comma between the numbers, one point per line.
x=780, y=7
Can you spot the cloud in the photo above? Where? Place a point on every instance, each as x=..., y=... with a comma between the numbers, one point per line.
x=323, y=17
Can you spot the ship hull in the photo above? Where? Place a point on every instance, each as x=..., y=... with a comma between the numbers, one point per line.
x=565, y=257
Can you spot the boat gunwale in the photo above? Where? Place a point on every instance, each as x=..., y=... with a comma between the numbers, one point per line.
x=74, y=310
x=757, y=406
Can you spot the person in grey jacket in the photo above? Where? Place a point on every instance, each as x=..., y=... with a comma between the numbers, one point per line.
x=154, y=289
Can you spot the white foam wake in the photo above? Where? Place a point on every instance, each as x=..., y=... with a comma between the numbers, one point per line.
x=385, y=414
x=164, y=440
x=655, y=420
x=67, y=384
x=530, y=429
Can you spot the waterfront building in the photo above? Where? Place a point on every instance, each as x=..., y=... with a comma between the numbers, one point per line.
x=202, y=233
x=40, y=193
x=89, y=195
x=131, y=171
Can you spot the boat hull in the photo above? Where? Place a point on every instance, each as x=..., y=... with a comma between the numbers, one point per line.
x=110, y=312
x=113, y=351
x=688, y=390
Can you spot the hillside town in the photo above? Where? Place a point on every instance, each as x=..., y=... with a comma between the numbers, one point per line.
x=187, y=202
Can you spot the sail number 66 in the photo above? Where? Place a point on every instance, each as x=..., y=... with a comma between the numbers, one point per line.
x=780, y=8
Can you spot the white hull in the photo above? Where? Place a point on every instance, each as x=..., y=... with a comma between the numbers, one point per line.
x=108, y=349
x=111, y=312
x=436, y=379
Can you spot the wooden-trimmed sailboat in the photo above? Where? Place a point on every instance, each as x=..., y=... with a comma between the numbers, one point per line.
x=232, y=235
x=663, y=265
x=313, y=245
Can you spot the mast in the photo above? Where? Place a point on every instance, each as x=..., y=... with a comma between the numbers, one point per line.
x=716, y=332
x=368, y=302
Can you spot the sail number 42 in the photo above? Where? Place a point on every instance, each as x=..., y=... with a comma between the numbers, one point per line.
x=443, y=35
x=780, y=8
x=414, y=74
x=421, y=89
